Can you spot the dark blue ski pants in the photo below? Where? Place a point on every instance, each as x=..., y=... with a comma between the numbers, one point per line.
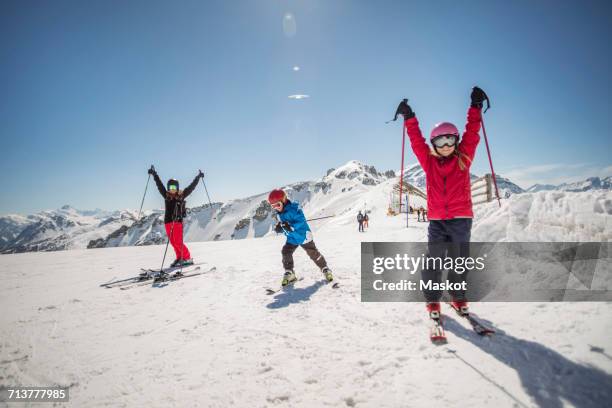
x=447, y=238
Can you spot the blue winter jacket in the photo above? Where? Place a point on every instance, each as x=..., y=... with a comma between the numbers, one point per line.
x=293, y=214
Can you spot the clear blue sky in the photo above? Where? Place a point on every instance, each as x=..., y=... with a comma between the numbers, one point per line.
x=93, y=92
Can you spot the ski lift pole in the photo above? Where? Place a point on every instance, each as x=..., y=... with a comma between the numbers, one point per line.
x=320, y=218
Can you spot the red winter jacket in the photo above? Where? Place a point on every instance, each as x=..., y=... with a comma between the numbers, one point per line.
x=448, y=187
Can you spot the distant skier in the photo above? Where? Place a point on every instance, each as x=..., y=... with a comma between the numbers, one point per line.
x=176, y=210
x=360, y=221
x=447, y=169
x=366, y=219
x=292, y=223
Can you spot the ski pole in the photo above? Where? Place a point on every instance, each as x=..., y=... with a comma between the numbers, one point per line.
x=490, y=161
x=145, y=194
x=161, y=268
x=207, y=195
x=320, y=218
x=402, y=171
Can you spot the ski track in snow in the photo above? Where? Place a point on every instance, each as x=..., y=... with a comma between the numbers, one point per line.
x=218, y=339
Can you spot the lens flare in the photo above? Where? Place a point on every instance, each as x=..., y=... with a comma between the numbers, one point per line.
x=289, y=25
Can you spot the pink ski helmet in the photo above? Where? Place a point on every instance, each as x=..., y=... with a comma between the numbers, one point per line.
x=444, y=129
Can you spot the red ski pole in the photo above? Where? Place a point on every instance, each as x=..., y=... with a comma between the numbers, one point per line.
x=490, y=161
x=402, y=170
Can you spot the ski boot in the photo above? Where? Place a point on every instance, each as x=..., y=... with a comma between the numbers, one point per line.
x=461, y=307
x=433, y=308
x=328, y=274
x=186, y=262
x=288, y=278
x=436, y=333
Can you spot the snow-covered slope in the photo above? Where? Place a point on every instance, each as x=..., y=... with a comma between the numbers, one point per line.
x=217, y=340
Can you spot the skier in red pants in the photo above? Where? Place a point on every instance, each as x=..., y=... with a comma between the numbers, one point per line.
x=176, y=210
x=449, y=202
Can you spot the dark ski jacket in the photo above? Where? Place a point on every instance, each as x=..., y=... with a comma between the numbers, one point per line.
x=448, y=187
x=176, y=208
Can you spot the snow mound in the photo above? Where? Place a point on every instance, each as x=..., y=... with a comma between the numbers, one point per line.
x=547, y=216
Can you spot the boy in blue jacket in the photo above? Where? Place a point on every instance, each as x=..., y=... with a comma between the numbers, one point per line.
x=292, y=223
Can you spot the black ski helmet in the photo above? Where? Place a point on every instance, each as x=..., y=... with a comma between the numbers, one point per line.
x=172, y=182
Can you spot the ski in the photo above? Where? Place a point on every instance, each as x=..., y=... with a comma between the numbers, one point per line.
x=145, y=280
x=168, y=269
x=123, y=282
x=479, y=328
x=144, y=276
x=270, y=291
x=169, y=278
x=334, y=284
x=436, y=332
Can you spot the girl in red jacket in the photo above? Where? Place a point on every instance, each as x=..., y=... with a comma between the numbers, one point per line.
x=449, y=200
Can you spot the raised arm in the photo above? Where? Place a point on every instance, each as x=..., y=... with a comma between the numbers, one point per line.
x=417, y=141
x=158, y=182
x=193, y=184
x=471, y=136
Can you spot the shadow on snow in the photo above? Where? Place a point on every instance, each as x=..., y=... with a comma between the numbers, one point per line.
x=294, y=295
x=547, y=376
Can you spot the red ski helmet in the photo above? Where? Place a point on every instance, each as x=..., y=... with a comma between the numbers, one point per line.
x=444, y=129
x=276, y=196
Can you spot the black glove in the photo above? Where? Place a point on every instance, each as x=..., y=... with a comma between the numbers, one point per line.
x=404, y=109
x=200, y=174
x=152, y=171
x=285, y=226
x=478, y=96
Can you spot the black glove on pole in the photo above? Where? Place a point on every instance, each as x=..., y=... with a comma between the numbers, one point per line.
x=478, y=96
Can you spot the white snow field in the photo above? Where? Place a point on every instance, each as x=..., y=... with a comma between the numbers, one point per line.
x=218, y=340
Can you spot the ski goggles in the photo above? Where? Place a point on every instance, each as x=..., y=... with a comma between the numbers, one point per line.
x=445, y=140
x=172, y=187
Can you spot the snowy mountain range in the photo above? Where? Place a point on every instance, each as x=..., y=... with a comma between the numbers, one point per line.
x=67, y=228
x=341, y=192
x=591, y=183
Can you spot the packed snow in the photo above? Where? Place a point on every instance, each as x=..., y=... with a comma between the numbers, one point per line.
x=219, y=340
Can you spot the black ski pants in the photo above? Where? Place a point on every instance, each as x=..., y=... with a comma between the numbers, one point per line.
x=311, y=250
x=447, y=238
